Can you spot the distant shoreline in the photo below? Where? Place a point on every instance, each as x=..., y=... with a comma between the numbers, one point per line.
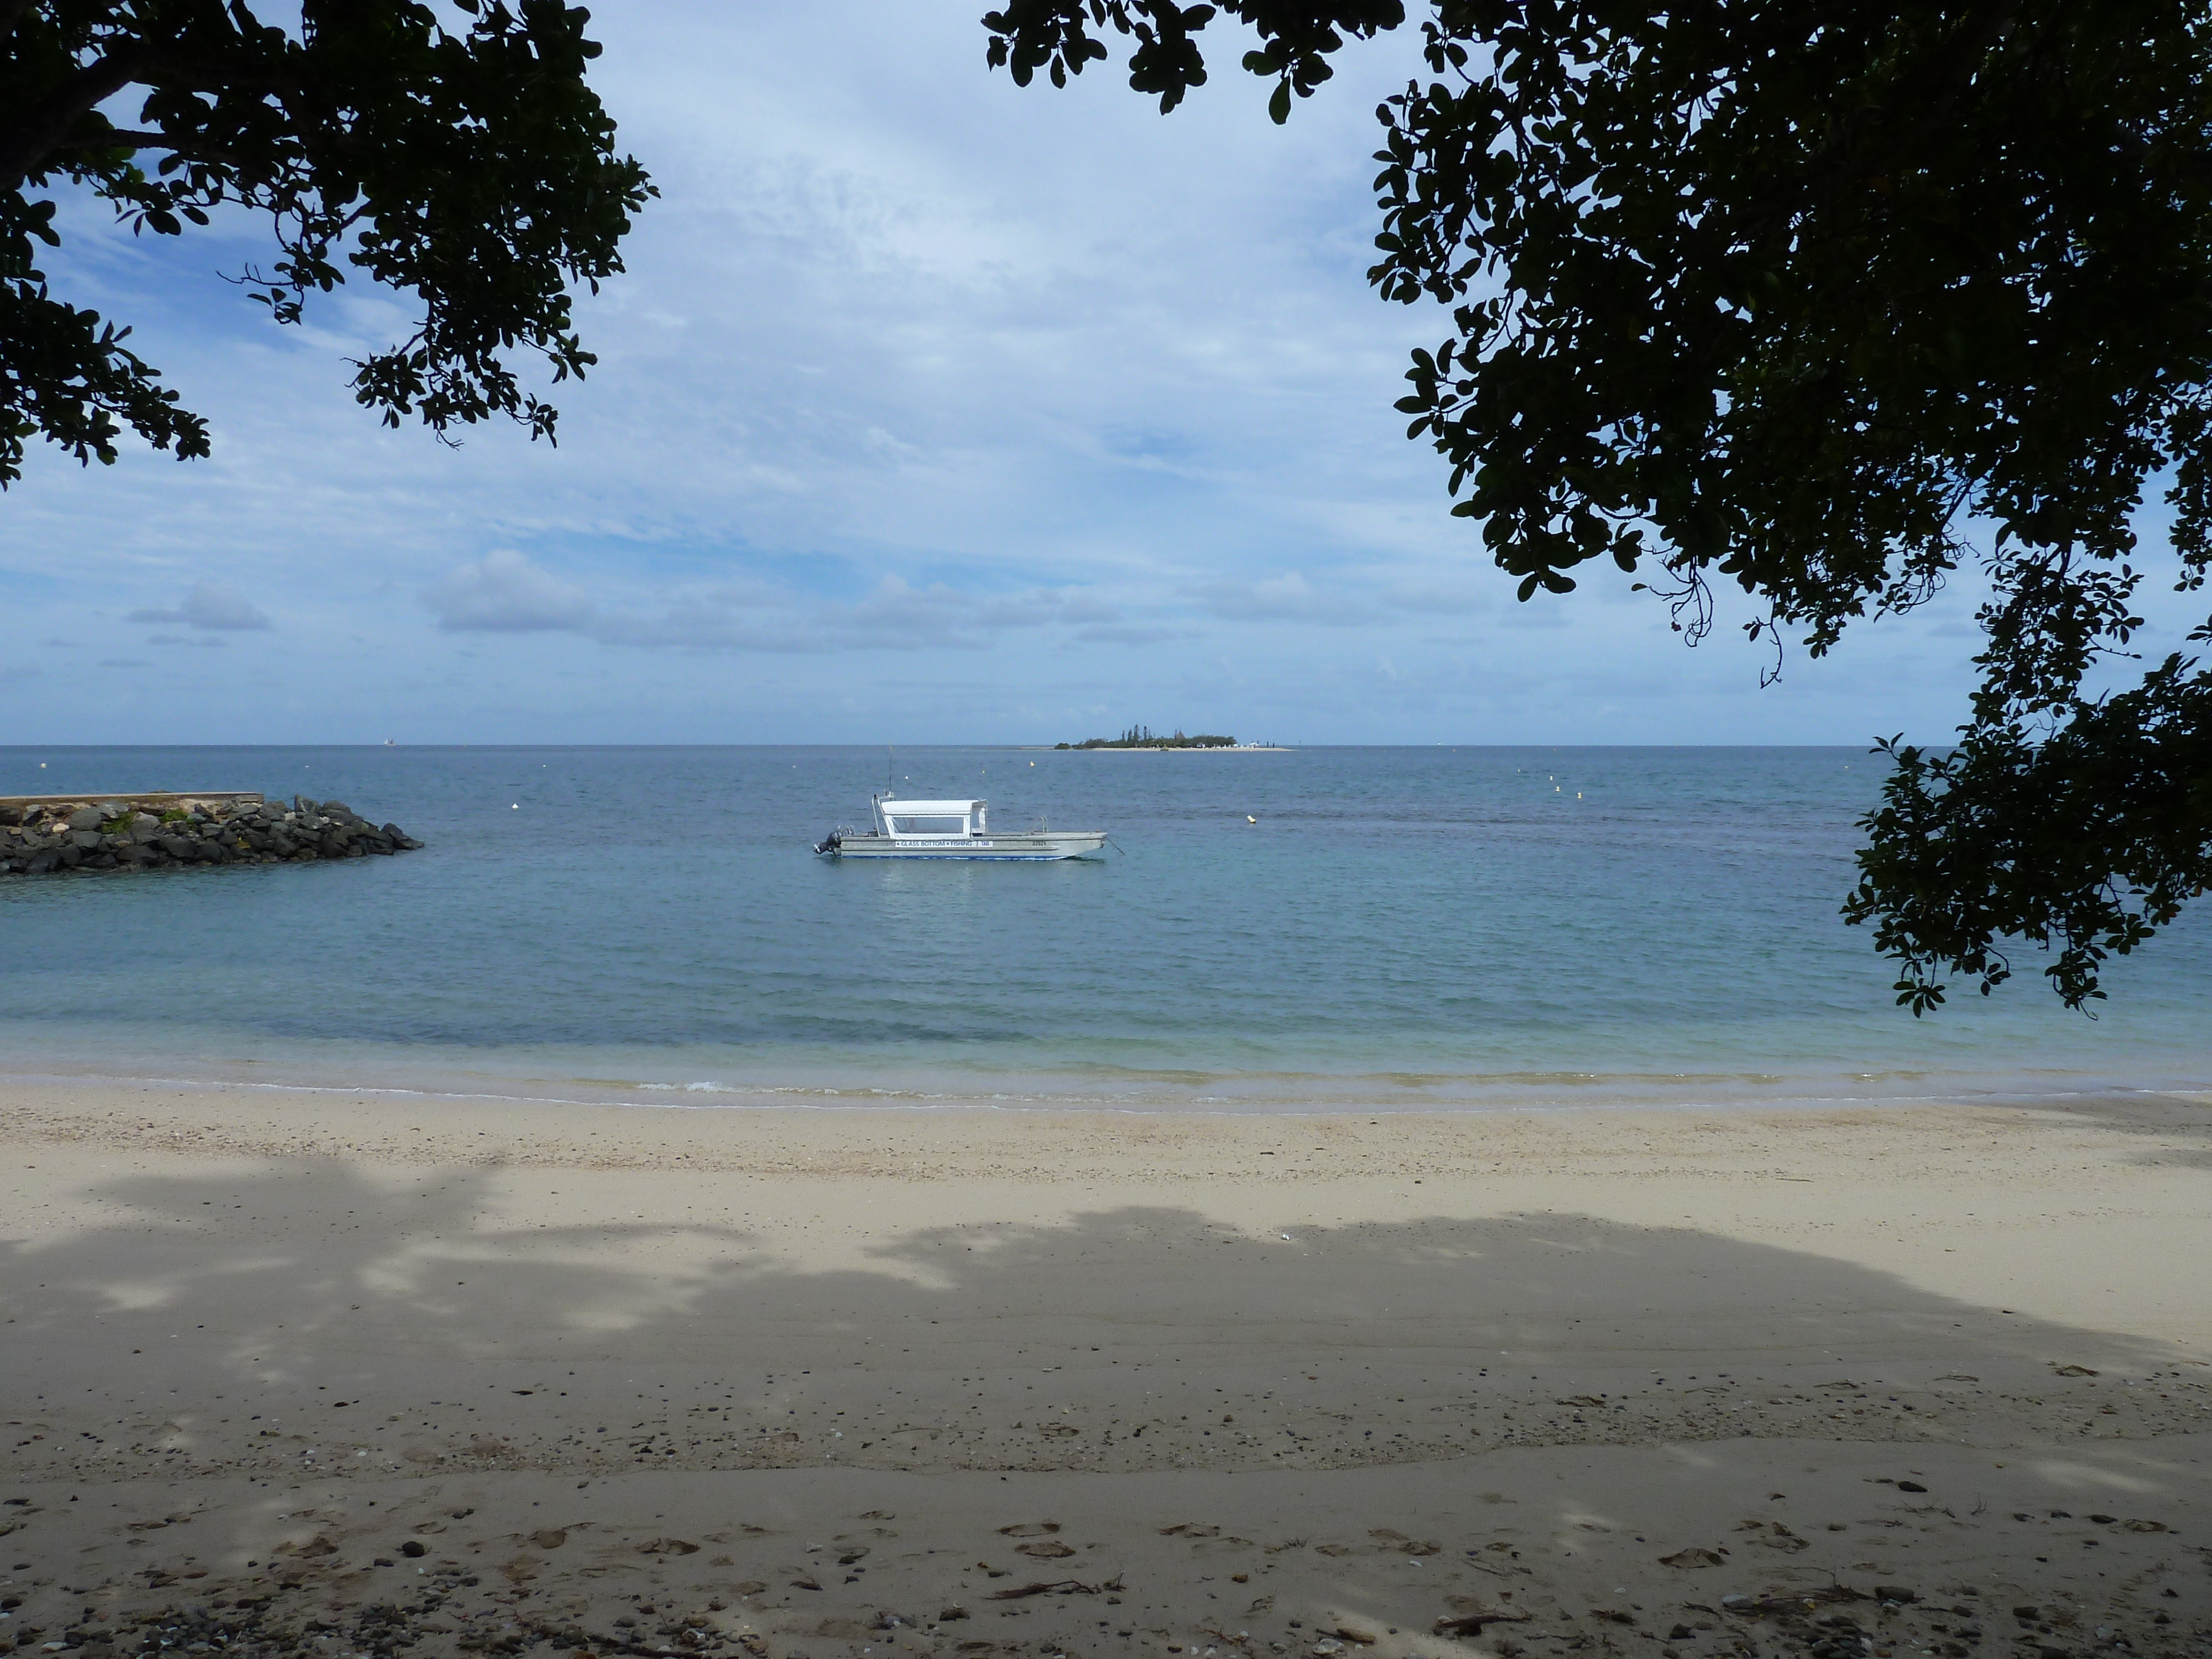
x=1158, y=748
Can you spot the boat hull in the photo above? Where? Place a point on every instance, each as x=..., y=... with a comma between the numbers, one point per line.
x=1038, y=847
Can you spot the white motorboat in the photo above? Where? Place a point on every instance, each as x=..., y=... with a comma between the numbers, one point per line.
x=951, y=829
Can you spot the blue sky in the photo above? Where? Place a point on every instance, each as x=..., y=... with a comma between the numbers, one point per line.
x=930, y=409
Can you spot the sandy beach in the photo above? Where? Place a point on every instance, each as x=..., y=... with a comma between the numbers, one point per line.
x=366, y=1374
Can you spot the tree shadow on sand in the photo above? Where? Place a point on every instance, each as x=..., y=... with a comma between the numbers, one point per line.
x=1372, y=1424
x=206, y=1302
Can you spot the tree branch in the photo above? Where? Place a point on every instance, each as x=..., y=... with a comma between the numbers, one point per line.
x=26, y=149
x=121, y=139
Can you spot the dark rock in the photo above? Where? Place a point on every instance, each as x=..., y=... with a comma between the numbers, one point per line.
x=413, y=1547
x=39, y=840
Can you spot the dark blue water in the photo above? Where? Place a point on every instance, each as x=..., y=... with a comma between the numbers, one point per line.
x=1402, y=927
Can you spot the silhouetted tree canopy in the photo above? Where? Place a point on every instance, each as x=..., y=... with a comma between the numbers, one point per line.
x=1823, y=299
x=463, y=160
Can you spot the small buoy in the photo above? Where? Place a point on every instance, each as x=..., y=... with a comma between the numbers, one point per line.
x=1249, y=818
x=517, y=807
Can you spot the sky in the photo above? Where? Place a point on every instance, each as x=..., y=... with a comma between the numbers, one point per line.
x=930, y=410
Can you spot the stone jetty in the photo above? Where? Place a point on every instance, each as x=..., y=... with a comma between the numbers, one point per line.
x=42, y=835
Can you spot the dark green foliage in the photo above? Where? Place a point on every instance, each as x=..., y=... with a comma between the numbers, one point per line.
x=1296, y=40
x=474, y=169
x=1143, y=737
x=2087, y=840
x=1823, y=299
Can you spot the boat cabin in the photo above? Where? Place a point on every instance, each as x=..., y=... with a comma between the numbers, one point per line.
x=933, y=820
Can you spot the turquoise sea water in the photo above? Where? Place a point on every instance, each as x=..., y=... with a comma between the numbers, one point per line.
x=1402, y=928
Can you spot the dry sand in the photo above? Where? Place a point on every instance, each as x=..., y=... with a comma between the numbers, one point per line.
x=370, y=1375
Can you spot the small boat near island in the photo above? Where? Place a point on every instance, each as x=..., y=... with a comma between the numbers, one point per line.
x=951, y=829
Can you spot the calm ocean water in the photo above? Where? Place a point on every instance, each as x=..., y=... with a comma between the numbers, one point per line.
x=1402, y=928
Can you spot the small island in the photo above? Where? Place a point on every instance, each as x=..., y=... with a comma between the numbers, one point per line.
x=1143, y=737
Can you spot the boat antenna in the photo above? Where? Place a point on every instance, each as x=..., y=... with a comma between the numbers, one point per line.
x=890, y=752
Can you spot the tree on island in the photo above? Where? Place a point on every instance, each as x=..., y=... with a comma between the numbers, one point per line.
x=1824, y=300
x=1143, y=737
x=471, y=167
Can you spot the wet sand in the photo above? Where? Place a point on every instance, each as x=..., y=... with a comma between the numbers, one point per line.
x=372, y=1374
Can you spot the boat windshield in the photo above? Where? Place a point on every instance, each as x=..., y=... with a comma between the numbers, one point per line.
x=929, y=825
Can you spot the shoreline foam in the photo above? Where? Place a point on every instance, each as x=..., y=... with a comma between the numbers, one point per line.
x=1131, y=1093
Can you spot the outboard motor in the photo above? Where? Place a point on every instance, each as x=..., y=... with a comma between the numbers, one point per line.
x=830, y=846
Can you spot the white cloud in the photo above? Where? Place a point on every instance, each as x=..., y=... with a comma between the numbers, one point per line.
x=1287, y=597
x=929, y=409
x=503, y=592
x=209, y=606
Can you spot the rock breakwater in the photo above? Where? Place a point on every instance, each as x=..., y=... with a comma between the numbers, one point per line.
x=48, y=835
